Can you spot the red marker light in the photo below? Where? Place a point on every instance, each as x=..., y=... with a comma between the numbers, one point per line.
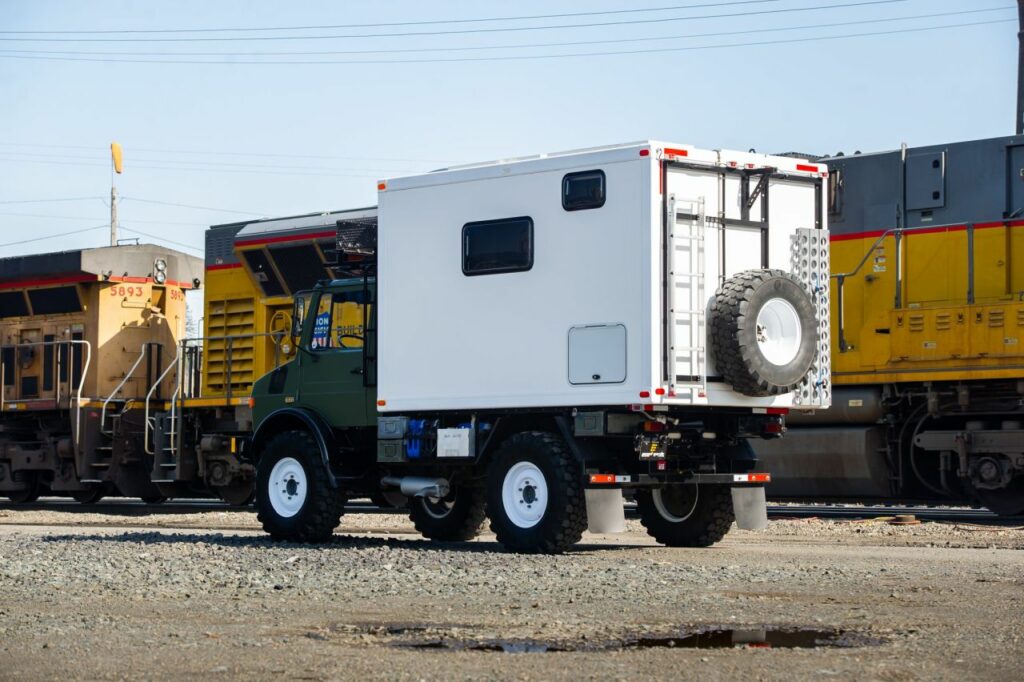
x=645, y=394
x=645, y=152
x=659, y=391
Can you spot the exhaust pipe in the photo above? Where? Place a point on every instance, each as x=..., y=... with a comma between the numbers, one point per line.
x=417, y=486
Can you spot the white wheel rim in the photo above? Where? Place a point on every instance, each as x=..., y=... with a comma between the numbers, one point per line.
x=287, y=487
x=779, y=331
x=524, y=493
x=659, y=504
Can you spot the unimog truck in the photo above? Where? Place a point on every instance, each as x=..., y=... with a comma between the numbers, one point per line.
x=530, y=341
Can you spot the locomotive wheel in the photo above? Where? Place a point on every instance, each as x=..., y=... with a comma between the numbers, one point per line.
x=89, y=496
x=1008, y=501
x=686, y=515
x=153, y=499
x=238, y=494
x=763, y=332
x=294, y=500
x=455, y=518
x=32, y=489
x=535, y=494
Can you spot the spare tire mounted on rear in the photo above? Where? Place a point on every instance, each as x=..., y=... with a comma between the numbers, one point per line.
x=764, y=332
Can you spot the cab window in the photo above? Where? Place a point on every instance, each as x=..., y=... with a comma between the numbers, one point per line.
x=338, y=324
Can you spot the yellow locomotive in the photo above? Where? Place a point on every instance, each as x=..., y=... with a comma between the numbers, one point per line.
x=105, y=388
x=927, y=329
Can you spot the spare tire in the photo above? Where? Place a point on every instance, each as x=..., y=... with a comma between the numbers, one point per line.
x=763, y=332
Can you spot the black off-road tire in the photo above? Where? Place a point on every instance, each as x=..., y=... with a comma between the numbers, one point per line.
x=565, y=516
x=707, y=523
x=457, y=518
x=322, y=506
x=733, y=326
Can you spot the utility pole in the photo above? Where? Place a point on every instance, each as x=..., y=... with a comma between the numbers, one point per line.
x=116, y=167
x=1020, y=67
x=113, y=215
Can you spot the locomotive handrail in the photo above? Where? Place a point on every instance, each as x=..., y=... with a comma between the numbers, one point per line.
x=898, y=232
x=200, y=341
x=78, y=389
x=149, y=396
x=127, y=376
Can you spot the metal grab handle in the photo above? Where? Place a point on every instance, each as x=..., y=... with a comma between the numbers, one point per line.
x=81, y=379
x=149, y=396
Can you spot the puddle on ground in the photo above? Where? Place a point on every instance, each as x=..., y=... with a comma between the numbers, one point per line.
x=752, y=638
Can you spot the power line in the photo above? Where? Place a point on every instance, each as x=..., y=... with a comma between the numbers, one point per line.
x=513, y=57
x=631, y=22
x=209, y=152
x=714, y=34
x=47, y=201
x=192, y=169
x=162, y=239
x=204, y=208
x=199, y=162
x=400, y=23
x=54, y=236
x=78, y=217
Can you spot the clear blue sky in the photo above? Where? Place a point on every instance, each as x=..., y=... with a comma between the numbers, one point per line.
x=281, y=139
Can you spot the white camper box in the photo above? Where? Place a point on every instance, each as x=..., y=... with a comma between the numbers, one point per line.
x=592, y=304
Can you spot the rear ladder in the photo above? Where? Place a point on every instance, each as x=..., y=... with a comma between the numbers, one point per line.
x=685, y=299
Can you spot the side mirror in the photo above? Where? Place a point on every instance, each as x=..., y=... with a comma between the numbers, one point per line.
x=298, y=313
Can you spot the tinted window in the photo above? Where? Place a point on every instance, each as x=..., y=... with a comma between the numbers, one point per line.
x=12, y=304
x=583, y=190
x=300, y=265
x=54, y=301
x=264, y=274
x=494, y=246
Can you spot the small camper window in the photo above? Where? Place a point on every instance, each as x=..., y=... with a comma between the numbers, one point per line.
x=490, y=247
x=583, y=190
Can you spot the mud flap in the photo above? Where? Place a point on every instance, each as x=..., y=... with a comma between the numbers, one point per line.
x=605, y=511
x=750, y=507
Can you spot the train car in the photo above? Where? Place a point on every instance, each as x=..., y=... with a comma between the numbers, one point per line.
x=84, y=337
x=927, y=332
x=104, y=390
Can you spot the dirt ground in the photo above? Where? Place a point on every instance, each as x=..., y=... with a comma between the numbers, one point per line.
x=206, y=595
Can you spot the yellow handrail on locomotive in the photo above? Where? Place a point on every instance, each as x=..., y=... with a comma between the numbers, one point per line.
x=897, y=233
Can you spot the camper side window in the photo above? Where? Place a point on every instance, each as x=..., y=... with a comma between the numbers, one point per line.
x=490, y=247
x=583, y=190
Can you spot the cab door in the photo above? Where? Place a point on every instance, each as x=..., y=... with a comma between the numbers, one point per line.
x=331, y=362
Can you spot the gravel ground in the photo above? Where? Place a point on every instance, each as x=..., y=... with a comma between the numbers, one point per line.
x=94, y=596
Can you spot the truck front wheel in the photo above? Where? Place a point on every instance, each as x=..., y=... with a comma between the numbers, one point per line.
x=455, y=518
x=294, y=499
x=535, y=494
x=686, y=515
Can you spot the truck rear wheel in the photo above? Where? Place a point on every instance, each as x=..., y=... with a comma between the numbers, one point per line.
x=764, y=332
x=294, y=499
x=686, y=515
x=535, y=494
x=455, y=518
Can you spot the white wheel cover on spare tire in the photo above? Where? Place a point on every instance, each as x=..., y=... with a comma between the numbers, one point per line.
x=763, y=328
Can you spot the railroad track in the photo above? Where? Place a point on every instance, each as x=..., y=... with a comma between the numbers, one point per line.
x=132, y=507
